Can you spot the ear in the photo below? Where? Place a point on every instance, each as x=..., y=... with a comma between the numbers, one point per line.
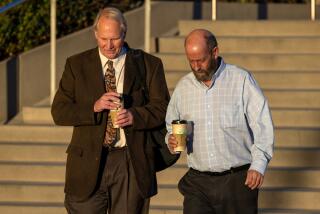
x=215, y=52
x=96, y=34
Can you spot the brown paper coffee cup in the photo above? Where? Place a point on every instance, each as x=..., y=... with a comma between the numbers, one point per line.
x=179, y=130
x=113, y=114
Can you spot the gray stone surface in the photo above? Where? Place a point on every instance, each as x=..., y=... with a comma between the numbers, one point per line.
x=34, y=65
x=8, y=89
x=3, y=91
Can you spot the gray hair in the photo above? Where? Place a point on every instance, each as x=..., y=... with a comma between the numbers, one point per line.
x=112, y=13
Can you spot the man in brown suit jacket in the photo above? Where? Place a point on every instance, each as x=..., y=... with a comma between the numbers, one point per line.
x=114, y=178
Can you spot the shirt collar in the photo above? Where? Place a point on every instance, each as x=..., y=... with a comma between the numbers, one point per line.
x=216, y=75
x=115, y=61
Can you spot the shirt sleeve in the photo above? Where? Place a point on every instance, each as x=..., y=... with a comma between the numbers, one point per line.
x=260, y=122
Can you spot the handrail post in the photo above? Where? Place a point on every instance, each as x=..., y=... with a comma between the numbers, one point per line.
x=313, y=10
x=214, y=10
x=147, y=30
x=52, y=49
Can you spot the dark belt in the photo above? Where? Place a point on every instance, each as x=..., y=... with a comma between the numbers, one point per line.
x=230, y=171
x=112, y=148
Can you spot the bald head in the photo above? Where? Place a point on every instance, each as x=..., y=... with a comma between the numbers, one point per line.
x=202, y=53
x=200, y=40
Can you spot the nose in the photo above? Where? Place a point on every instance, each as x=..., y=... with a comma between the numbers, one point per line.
x=109, y=44
x=196, y=66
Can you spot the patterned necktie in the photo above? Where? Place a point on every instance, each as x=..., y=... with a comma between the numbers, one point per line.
x=110, y=82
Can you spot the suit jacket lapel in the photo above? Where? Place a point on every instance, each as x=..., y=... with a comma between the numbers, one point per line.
x=95, y=75
x=131, y=72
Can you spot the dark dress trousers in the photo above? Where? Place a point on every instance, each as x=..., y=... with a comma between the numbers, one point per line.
x=81, y=85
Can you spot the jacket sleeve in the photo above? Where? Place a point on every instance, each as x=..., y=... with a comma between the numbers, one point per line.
x=67, y=107
x=153, y=113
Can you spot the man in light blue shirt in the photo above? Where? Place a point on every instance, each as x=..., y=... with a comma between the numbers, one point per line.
x=231, y=133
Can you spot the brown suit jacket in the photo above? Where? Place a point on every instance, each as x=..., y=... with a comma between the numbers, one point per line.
x=80, y=86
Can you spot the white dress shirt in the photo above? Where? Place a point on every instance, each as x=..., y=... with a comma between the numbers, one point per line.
x=119, y=66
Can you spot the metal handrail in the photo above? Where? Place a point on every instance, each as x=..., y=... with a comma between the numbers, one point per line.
x=313, y=10
x=53, y=48
x=11, y=5
x=53, y=39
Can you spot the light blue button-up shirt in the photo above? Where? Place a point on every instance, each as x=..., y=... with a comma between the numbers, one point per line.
x=230, y=122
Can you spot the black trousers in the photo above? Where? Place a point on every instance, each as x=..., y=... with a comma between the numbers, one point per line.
x=118, y=192
x=217, y=194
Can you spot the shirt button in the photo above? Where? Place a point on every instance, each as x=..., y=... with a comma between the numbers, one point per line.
x=208, y=106
x=211, y=155
x=209, y=123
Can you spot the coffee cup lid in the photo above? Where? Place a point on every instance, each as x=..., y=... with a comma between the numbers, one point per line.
x=179, y=122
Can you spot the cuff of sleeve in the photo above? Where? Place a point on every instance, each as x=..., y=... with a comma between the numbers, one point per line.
x=259, y=166
x=167, y=138
x=86, y=115
x=136, y=118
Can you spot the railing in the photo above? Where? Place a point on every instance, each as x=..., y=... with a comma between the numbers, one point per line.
x=147, y=18
x=11, y=5
x=147, y=32
x=52, y=41
x=53, y=48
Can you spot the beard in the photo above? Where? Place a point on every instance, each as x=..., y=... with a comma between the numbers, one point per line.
x=203, y=75
x=206, y=74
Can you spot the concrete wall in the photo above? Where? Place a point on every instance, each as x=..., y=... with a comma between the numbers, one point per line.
x=34, y=65
x=8, y=89
x=3, y=92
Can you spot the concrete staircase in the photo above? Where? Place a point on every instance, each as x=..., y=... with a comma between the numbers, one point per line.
x=284, y=58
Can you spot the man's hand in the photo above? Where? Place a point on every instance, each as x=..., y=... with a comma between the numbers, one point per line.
x=109, y=101
x=172, y=143
x=124, y=118
x=254, y=179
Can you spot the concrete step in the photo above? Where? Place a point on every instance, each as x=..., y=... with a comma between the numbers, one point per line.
x=274, y=178
x=37, y=115
x=32, y=208
x=252, y=62
x=34, y=134
x=168, y=210
x=286, y=80
x=267, y=80
x=277, y=96
x=32, y=172
x=253, y=45
x=297, y=138
x=23, y=152
x=268, y=198
x=31, y=192
x=21, y=163
x=296, y=118
x=253, y=28
x=293, y=99
x=283, y=158
x=296, y=158
x=164, y=210
x=34, y=115
x=167, y=196
x=40, y=208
